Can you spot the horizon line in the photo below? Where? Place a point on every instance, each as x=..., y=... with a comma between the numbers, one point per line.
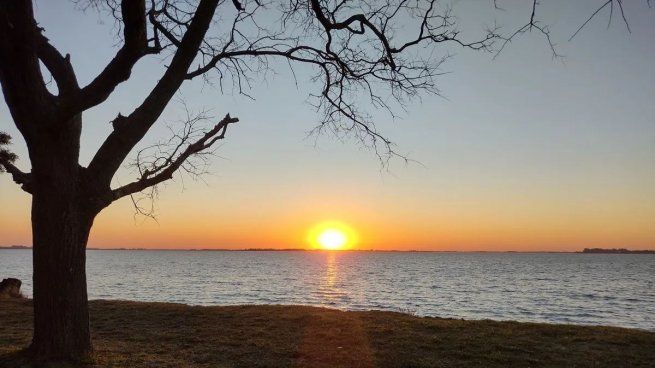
x=608, y=250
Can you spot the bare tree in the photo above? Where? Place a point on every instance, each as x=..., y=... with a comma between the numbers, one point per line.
x=355, y=49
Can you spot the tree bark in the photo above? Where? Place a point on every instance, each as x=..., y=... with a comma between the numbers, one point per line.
x=61, y=314
x=61, y=221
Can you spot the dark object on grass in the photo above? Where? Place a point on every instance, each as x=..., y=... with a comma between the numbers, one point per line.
x=10, y=288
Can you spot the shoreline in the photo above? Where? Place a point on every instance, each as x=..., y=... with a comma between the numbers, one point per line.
x=140, y=334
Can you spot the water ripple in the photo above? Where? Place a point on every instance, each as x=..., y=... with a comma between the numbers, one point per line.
x=562, y=288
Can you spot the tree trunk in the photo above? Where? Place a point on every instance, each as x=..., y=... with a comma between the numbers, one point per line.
x=61, y=221
x=61, y=311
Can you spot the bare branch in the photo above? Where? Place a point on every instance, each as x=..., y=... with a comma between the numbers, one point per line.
x=129, y=130
x=159, y=162
x=351, y=48
x=25, y=91
x=361, y=53
x=118, y=70
x=608, y=2
x=58, y=65
x=532, y=24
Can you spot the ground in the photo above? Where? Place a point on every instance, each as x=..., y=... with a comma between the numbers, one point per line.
x=133, y=334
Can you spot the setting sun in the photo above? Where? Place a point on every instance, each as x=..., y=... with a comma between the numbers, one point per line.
x=332, y=235
x=332, y=239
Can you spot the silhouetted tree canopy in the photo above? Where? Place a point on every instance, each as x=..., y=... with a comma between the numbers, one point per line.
x=6, y=157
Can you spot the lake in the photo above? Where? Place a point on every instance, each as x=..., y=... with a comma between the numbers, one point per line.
x=597, y=289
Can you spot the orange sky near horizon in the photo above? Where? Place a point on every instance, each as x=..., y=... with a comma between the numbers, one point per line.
x=180, y=226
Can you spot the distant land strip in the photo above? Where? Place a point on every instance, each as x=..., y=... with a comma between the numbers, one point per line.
x=617, y=251
x=584, y=251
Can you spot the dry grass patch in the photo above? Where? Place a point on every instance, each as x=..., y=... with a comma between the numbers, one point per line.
x=132, y=334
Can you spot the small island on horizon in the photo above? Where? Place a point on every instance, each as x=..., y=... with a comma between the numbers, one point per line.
x=617, y=251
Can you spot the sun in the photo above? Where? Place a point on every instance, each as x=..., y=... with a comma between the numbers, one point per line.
x=332, y=239
x=332, y=235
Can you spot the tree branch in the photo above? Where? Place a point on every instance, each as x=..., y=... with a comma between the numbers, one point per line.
x=120, y=67
x=23, y=86
x=605, y=4
x=533, y=23
x=162, y=168
x=350, y=56
x=129, y=130
x=58, y=65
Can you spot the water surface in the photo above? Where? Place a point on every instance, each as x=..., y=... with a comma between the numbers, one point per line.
x=599, y=289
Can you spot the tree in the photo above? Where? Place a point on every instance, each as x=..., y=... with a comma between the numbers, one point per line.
x=355, y=48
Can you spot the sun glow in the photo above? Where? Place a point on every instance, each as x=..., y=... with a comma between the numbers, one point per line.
x=332, y=239
x=332, y=235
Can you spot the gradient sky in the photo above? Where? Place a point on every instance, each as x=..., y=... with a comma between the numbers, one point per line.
x=523, y=153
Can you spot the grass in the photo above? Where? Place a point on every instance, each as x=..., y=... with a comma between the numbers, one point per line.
x=133, y=334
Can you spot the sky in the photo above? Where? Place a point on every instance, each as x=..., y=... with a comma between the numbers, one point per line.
x=522, y=152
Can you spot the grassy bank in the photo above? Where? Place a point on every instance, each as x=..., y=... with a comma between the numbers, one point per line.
x=131, y=334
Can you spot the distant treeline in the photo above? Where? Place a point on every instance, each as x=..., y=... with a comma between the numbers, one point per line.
x=616, y=250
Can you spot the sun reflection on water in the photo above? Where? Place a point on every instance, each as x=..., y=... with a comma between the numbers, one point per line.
x=330, y=290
